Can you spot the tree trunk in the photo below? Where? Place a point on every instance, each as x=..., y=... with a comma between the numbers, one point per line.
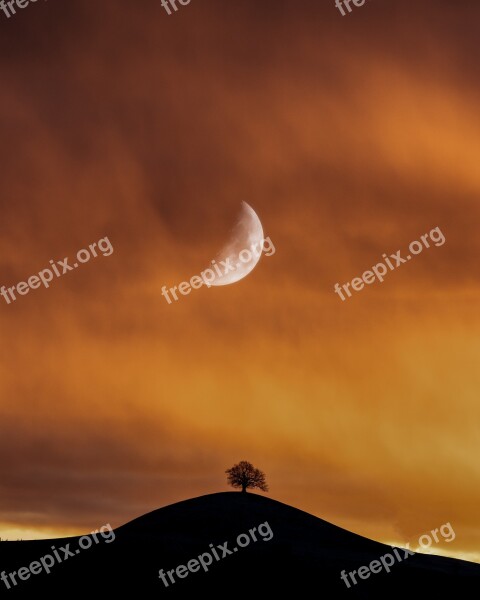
x=244, y=489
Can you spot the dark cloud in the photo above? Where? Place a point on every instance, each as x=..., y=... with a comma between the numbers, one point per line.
x=350, y=136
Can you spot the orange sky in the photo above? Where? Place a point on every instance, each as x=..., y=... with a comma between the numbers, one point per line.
x=350, y=137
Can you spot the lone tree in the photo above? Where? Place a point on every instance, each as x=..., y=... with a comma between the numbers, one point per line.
x=245, y=475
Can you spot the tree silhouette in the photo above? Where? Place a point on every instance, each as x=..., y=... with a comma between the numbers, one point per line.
x=245, y=475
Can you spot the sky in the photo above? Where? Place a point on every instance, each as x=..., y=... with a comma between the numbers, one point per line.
x=350, y=137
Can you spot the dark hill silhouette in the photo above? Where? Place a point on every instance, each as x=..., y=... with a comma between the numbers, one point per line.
x=305, y=556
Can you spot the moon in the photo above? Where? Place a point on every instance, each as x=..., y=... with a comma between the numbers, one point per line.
x=244, y=248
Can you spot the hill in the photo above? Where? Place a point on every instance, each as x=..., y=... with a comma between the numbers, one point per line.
x=270, y=548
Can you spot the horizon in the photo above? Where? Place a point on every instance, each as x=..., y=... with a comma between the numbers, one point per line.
x=434, y=550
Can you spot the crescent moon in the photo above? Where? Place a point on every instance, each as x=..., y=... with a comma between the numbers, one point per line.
x=246, y=239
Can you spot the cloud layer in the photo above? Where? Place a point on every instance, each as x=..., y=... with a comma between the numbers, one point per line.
x=350, y=137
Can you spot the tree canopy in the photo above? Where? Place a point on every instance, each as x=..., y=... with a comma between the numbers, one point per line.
x=244, y=475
